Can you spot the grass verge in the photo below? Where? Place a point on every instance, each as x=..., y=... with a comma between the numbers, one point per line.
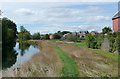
x=104, y=53
x=70, y=67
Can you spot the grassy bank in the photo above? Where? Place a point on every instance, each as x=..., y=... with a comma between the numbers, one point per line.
x=104, y=53
x=70, y=67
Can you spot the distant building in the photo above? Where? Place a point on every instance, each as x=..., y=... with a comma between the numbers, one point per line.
x=50, y=36
x=83, y=33
x=116, y=22
x=65, y=35
x=94, y=33
x=80, y=33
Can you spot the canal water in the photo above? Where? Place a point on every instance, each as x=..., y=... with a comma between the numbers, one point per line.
x=21, y=53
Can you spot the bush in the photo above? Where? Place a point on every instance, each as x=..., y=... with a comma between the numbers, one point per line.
x=56, y=36
x=74, y=38
x=93, y=41
x=36, y=36
x=45, y=37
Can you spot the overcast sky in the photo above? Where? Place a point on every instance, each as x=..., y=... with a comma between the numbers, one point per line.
x=49, y=17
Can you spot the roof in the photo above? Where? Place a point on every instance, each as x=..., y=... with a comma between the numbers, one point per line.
x=117, y=15
x=95, y=32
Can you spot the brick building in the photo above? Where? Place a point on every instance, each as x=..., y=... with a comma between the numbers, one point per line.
x=116, y=22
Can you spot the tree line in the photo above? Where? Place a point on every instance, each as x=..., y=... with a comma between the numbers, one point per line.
x=10, y=34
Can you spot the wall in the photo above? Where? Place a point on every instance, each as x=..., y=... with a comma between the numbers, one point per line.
x=116, y=24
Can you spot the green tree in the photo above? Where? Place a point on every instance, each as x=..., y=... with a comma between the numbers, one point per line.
x=9, y=31
x=24, y=35
x=36, y=36
x=91, y=41
x=106, y=30
x=56, y=36
x=45, y=37
x=74, y=38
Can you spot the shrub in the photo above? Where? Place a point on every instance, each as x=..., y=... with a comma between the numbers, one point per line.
x=56, y=36
x=74, y=38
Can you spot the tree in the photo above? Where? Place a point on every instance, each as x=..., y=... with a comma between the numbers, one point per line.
x=74, y=38
x=36, y=36
x=45, y=37
x=56, y=36
x=24, y=35
x=106, y=30
x=9, y=31
x=64, y=32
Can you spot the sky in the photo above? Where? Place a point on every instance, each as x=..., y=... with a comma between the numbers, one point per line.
x=50, y=17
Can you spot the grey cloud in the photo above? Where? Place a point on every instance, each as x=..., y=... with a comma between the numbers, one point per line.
x=25, y=12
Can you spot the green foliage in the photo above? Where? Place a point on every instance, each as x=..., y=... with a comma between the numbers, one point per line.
x=64, y=32
x=114, y=41
x=36, y=36
x=24, y=35
x=56, y=36
x=74, y=38
x=45, y=37
x=106, y=30
x=9, y=31
x=93, y=41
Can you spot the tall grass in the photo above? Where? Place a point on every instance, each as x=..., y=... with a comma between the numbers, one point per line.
x=104, y=53
x=70, y=67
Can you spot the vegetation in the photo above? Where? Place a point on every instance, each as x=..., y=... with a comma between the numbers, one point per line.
x=56, y=36
x=74, y=38
x=107, y=54
x=80, y=44
x=106, y=30
x=64, y=32
x=45, y=37
x=24, y=35
x=104, y=53
x=9, y=32
x=70, y=67
x=93, y=41
x=36, y=36
x=114, y=41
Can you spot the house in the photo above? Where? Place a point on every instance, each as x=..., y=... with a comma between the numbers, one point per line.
x=50, y=36
x=116, y=22
x=83, y=33
x=65, y=35
x=94, y=33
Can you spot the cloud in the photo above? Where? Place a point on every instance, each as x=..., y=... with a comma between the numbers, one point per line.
x=91, y=9
x=102, y=18
x=52, y=28
x=50, y=15
x=62, y=16
x=96, y=19
x=25, y=12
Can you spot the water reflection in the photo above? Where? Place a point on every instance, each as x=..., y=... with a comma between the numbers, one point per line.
x=9, y=56
x=18, y=55
x=23, y=47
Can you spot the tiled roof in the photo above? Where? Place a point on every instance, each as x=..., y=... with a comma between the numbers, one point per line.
x=116, y=16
